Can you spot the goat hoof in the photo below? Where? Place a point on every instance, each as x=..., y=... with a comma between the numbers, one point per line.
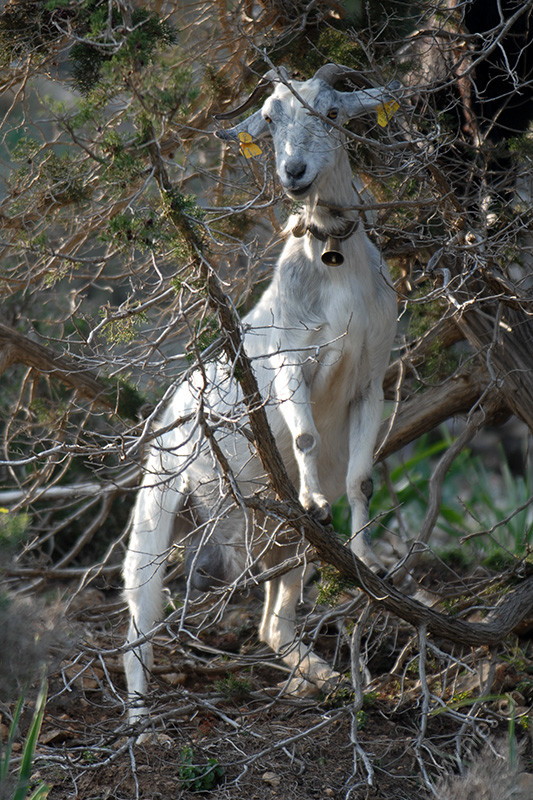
x=318, y=508
x=154, y=739
x=297, y=687
x=323, y=515
x=338, y=692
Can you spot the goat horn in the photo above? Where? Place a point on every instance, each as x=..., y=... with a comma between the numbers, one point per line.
x=258, y=92
x=334, y=73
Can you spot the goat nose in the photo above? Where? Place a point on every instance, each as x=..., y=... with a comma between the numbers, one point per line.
x=295, y=168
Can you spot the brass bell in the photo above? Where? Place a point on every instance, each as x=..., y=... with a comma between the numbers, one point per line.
x=332, y=256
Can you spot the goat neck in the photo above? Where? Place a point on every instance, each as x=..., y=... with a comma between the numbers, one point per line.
x=330, y=207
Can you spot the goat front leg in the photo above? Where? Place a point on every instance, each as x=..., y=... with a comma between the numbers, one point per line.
x=365, y=417
x=294, y=396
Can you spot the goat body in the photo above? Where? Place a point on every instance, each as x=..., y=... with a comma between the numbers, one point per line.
x=319, y=341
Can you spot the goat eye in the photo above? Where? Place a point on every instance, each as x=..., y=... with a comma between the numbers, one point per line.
x=333, y=113
x=268, y=119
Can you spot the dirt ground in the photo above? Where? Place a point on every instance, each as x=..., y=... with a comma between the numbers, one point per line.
x=221, y=726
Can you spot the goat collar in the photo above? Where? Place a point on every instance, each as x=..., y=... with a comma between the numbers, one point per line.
x=332, y=255
x=301, y=228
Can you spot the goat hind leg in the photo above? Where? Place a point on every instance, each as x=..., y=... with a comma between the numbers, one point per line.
x=151, y=531
x=278, y=630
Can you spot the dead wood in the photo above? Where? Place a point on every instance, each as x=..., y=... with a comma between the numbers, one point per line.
x=444, y=334
x=426, y=410
x=503, y=336
x=15, y=348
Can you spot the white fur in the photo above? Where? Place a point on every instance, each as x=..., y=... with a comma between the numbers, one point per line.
x=319, y=340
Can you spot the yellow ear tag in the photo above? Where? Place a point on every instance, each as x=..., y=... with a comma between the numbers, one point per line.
x=386, y=112
x=248, y=146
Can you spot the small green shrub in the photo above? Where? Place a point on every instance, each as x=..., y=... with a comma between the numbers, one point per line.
x=487, y=515
x=233, y=688
x=196, y=777
x=13, y=527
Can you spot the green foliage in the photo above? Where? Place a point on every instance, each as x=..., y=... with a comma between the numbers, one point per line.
x=440, y=360
x=332, y=44
x=66, y=178
x=464, y=700
x=108, y=41
x=362, y=719
x=410, y=479
x=25, y=149
x=125, y=397
x=341, y=696
x=28, y=26
x=339, y=48
x=184, y=213
x=87, y=63
x=21, y=784
x=129, y=399
x=214, y=83
x=165, y=98
x=177, y=204
x=46, y=177
x=521, y=145
x=196, y=777
x=502, y=519
x=507, y=515
x=331, y=585
x=207, y=332
x=13, y=527
x=147, y=33
x=123, y=163
x=122, y=329
x=129, y=230
x=233, y=687
x=236, y=225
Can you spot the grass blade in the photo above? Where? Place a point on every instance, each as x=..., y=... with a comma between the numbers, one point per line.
x=4, y=764
x=30, y=744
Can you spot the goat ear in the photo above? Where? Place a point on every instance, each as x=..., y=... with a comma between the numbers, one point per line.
x=360, y=102
x=255, y=125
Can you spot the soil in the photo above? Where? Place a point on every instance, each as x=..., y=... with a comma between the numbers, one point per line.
x=221, y=727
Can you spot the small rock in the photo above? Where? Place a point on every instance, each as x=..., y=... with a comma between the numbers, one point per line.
x=55, y=735
x=175, y=678
x=525, y=783
x=164, y=740
x=271, y=778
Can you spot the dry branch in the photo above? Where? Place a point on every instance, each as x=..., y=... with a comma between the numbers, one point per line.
x=15, y=348
x=425, y=411
x=445, y=334
x=505, y=341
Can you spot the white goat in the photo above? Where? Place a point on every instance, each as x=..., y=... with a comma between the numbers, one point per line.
x=319, y=340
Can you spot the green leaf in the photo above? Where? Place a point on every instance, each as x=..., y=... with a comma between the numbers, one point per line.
x=28, y=753
x=4, y=765
x=465, y=701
